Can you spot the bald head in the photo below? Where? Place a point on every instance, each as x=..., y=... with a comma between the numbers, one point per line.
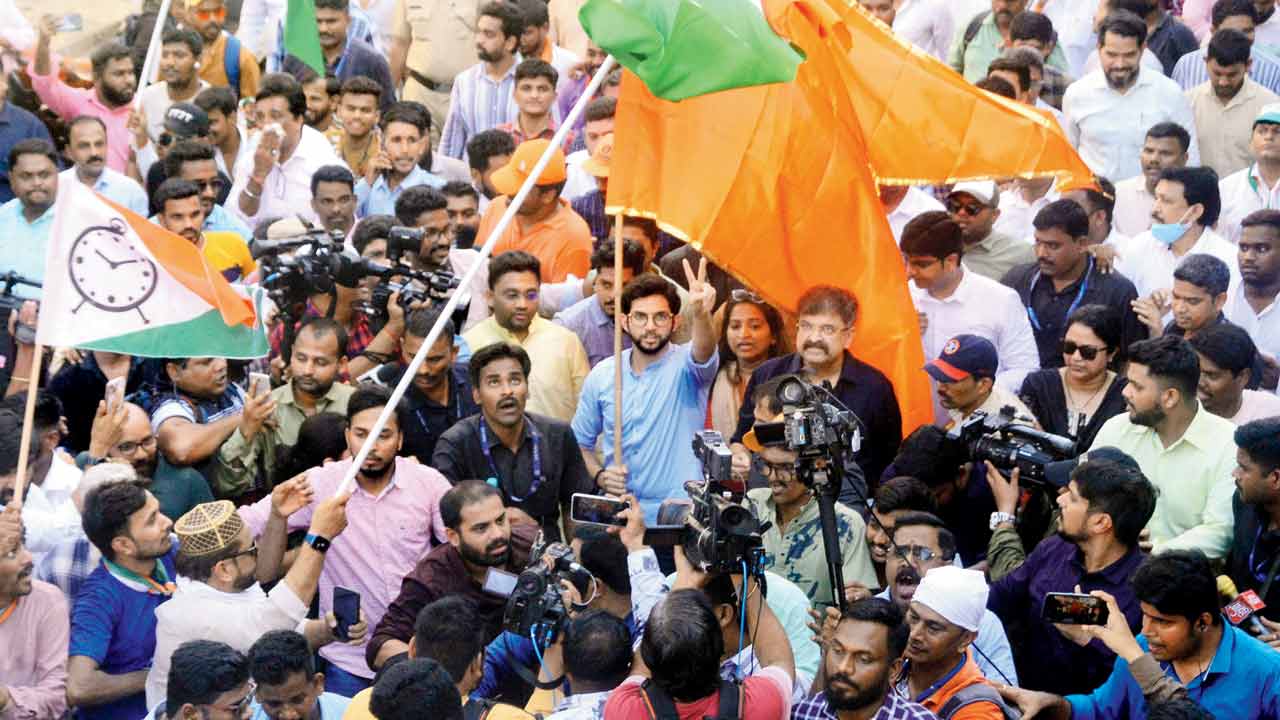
x=136, y=445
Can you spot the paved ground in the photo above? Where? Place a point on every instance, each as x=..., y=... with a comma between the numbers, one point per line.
x=102, y=19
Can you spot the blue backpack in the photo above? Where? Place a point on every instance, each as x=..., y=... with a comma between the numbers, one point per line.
x=231, y=63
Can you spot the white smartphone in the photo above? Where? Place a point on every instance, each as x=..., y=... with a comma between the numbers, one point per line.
x=115, y=393
x=71, y=22
x=259, y=384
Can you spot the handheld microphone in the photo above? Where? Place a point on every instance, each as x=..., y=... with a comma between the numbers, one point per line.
x=1243, y=606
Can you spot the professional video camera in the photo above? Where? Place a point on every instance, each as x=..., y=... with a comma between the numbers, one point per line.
x=413, y=286
x=297, y=267
x=718, y=533
x=1010, y=444
x=535, y=608
x=9, y=301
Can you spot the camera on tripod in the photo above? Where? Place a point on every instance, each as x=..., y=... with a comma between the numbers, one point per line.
x=1009, y=444
x=535, y=608
x=718, y=533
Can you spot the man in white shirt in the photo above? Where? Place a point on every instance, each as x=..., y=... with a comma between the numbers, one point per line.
x=1256, y=187
x=597, y=122
x=952, y=301
x=903, y=202
x=50, y=515
x=1165, y=146
x=1253, y=302
x=218, y=596
x=87, y=149
x=179, y=64
x=1186, y=207
x=1019, y=205
x=927, y=24
x=285, y=154
x=1227, y=355
x=1107, y=111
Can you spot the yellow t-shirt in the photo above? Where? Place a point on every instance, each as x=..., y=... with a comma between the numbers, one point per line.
x=229, y=255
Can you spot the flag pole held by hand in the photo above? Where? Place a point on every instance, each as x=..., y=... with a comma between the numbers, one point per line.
x=28, y=415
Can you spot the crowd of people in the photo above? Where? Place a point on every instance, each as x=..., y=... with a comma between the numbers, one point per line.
x=185, y=545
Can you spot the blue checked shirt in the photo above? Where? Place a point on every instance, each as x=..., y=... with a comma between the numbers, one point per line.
x=894, y=708
x=476, y=104
x=1191, y=70
x=68, y=565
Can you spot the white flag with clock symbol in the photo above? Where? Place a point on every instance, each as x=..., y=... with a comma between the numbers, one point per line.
x=116, y=281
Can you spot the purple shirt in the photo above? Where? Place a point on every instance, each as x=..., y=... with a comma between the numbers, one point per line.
x=587, y=320
x=385, y=538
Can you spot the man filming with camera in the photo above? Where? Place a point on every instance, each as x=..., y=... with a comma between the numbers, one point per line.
x=678, y=668
x=793, y=544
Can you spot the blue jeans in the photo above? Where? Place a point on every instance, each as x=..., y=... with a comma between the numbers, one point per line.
x=341, y=682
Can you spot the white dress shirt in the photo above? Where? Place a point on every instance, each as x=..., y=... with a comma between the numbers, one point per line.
x=1255, y=405
x=927, y=24
x=1263, y=327
x=49, y=515
x=1133, y=206
x=915, y=202
x=198, y=611
x=1267, y=34
x=1073, y=23
x=259, y=20
x=1150, y=263
x=983, y=307
x=1244, y=192
x=287, y=190
x=1017, y=215
x=1108, y=128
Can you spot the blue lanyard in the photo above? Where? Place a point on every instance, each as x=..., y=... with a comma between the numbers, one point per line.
x=1084, y=287
x=534, y=438
x=455, y=400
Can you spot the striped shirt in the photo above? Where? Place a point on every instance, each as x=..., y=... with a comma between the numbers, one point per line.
x=1191, y=70
x=894, y=708
x=477, y=103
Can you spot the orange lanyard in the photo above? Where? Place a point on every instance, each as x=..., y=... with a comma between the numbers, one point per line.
x=8, y=611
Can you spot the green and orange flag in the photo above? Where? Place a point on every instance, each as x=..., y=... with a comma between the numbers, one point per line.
x=770, y=168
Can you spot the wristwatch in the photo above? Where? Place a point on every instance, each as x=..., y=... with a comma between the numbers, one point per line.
x=320, y=544
x=998, y=518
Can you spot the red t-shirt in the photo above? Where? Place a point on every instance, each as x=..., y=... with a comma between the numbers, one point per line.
x=765, y=696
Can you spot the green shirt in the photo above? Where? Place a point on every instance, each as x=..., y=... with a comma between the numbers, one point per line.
x=239, y=459
x=997, y=254
x=1193, y=509
x=799, y=555
x=985, y=47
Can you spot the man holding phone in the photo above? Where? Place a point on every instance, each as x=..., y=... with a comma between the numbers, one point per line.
x=533, y=459
x=394, y=519
x=395, y=167
x=1104, y=503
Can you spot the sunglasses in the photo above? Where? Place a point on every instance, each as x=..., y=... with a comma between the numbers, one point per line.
x=1088, y=352
x=207, y=15
x=740, y=295
x=970, y=209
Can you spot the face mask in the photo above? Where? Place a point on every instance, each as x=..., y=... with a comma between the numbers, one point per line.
x=1168, y=233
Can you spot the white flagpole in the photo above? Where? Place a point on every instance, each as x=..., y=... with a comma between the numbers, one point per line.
x=153, y=48
x=467, y=278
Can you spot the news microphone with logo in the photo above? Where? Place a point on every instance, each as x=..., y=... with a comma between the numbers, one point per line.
x=1242, y=606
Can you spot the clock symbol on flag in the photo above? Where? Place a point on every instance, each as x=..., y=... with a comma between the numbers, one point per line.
x=110, y=271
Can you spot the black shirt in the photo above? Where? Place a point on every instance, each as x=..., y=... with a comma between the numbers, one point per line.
x=1045, y=397
x=864, y=390
x=82, y=385
x=460, y=455
x=1049, y=308
x=426, y=421
x=1254, y=554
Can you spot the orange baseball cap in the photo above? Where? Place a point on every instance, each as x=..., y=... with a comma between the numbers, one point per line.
x=508, y=179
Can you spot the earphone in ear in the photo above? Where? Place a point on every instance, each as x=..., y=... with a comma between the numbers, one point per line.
x=197, y=64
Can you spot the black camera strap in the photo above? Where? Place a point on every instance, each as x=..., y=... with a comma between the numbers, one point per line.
x=662, y=707
x=530, y=676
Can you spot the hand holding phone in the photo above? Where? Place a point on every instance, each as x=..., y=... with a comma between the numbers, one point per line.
x=114, y=394
x=596, y=510
x=1075, y=609
x=259, y=384
x=71, y=22
x=346, y=609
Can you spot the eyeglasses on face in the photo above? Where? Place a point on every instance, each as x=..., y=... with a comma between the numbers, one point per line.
x=1088, y=352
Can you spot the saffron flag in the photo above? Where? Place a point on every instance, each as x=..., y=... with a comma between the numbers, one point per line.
x=302, y=36
x=116, y=282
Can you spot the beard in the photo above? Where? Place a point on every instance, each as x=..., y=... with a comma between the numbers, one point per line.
x=650, y=345
x=848, y=695
x=146, y=468
x=1120, y=79
x=375, y=470
x=311, y=386
x=495, y=555
x=1147, y=418
x=465, y=237
x=117, y=97
x=244, y=582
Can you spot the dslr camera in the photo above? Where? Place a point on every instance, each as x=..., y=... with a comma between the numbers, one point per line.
x=535, y=608
x=413, y=286
x=1010, y=444
x=719, y=534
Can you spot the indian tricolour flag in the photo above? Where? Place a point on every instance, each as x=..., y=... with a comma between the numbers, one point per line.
x=116, y=282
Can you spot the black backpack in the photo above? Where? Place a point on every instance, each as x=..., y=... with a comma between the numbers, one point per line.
x=662, y=707
x=978, y=692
